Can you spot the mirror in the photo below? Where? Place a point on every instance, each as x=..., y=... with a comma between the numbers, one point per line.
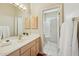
x=12, y=19
x=17, y=19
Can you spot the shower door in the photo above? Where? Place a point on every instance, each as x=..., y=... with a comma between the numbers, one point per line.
x=51, y=25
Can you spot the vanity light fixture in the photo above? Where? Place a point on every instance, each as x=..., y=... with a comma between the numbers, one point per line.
x=21, y=6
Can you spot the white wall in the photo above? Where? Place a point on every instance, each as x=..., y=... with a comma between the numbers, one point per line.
x=71, y=10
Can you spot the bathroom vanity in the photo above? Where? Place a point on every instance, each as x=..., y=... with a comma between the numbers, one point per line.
x=28, y=46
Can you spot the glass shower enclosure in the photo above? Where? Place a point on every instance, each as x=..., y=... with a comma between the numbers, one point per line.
x=51, y=31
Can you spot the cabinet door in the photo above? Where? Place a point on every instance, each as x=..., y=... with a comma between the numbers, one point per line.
x=37, y=46
x=26, y=53
x=26, y=47
x=33, y=50
x=34, y=22
x=27, y=23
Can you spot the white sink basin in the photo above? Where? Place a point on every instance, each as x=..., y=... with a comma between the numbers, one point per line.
x=5, y=43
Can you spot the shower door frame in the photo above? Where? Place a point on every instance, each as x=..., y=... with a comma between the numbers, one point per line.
x=59, y=22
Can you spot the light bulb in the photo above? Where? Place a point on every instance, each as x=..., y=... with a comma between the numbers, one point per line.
x=24, y=8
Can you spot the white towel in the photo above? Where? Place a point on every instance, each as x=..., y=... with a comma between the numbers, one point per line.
x=61, y=41
x=65, y=44
x=75, y=40
x=5, y=31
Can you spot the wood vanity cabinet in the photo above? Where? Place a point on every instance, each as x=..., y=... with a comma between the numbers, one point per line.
x=26, y=53
x=37, y=46
x=33, y=50
x=27, y=49
x=30, y=49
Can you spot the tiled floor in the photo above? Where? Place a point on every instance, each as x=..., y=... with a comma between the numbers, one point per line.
x=50, y=48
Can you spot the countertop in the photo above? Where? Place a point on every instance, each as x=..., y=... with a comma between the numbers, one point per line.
x=16, y=44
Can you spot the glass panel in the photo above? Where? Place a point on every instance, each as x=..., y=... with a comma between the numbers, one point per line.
x=50, y=31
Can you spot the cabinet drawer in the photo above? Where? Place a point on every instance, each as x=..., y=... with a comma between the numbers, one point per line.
x=15, y=53
x=26, y=47
x=26, y=53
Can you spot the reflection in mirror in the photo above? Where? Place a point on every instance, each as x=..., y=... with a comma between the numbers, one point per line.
x=34, y=22
x=12, y=19
x=15, y=20
x=31, y=23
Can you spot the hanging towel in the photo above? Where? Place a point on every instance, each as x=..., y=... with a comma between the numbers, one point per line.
x=61, y=41
x=75, y=40
x=5, y=31
x=65, y=44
